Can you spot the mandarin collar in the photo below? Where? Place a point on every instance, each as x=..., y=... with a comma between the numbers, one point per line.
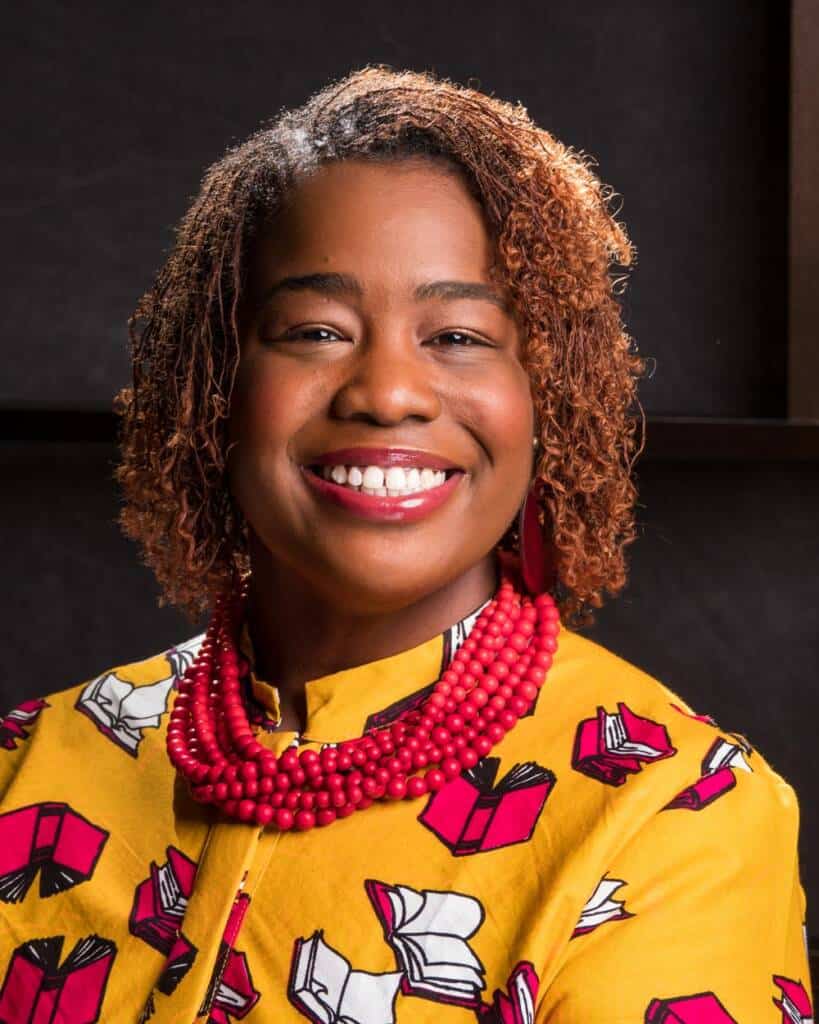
x=343, y=704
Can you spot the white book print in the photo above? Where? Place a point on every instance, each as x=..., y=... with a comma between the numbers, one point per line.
x=327, y=990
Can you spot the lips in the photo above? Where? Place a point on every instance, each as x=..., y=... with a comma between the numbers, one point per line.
x=407, y=508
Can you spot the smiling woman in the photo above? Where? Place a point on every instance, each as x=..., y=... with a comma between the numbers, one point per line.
x=381, y=430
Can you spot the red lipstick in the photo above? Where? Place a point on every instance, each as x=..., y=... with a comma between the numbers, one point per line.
x=407, y=508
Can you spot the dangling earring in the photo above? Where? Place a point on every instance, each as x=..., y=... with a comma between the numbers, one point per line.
x=537, y=559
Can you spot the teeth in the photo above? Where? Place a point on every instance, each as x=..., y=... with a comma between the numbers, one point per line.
x=394, y=482
x=373, y=477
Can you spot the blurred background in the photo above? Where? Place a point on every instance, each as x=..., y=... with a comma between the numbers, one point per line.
x=703, y=116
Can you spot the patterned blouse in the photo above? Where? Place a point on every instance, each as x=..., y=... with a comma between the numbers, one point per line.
x=617, y=858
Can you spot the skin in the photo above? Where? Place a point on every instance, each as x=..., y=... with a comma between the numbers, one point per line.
x=320, y=371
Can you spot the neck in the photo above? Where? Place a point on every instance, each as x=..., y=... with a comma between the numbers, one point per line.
x=299, y=633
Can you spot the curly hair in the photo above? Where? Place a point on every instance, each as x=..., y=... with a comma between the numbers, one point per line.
x=559, y=250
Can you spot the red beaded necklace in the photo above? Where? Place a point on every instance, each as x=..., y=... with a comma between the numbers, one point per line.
x=491, y=682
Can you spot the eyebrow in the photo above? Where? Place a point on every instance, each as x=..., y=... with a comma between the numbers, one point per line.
x=346, y=284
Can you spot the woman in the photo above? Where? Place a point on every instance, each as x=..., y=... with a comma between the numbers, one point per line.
x=381, y=432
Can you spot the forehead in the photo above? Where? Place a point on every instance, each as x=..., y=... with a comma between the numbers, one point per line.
x=408, y=218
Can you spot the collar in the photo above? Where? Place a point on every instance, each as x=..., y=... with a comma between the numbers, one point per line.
x=343, y=704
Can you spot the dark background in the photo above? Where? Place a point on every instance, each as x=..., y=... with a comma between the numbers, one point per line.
x=114, y=112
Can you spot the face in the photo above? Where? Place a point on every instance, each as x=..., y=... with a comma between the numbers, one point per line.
x=356, y=349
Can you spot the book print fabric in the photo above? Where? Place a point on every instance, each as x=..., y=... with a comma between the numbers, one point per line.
x=563, y=879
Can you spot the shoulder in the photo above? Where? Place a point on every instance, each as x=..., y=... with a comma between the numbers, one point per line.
x=119, y=710
x=622, y=720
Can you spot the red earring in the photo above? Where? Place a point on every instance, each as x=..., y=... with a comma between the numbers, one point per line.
x=537, y=559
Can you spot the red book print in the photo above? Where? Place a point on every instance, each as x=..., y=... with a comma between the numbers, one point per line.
x=161, y=899
x=177, y=964
x=794, y=1002
x=13, y=725
x=472, y=813
x=39, y=990
x=230, y=991
x=611, y=747
x=717, y=776
x=703, y=1008
x=50, y=838
x=517, y=1004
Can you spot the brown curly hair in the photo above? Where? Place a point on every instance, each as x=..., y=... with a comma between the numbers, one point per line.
x=557, y=243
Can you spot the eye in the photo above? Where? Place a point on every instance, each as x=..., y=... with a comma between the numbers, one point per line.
x=466, y=340
x=298, y=333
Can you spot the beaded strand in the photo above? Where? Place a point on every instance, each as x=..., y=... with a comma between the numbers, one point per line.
x=492, y=681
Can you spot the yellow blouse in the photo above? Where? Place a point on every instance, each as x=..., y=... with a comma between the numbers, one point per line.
x=615, y=859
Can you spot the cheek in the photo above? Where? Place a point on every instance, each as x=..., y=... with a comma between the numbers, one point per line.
x=506, y=420
x=268, y=406
x=260, y=427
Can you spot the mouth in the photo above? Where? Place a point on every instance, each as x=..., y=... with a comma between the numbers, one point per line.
x=425, y=491
x=383, y=482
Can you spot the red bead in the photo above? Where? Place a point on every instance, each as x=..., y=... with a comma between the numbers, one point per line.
x=527, y=690
x=468, y=757
x=288, y=760
x=482, y=745
x=518, y=706
x=434, y=779
x=451, y=767
x=416, y=786
x=507, y=719
x=326, y=816
x=517, y=641
x=397, y=788
x=264, y=814
x=305, y=820
x=284, y=819
x=495, y=732
x=246, y=809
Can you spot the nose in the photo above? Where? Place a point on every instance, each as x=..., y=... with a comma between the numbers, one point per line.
x=387, y=381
